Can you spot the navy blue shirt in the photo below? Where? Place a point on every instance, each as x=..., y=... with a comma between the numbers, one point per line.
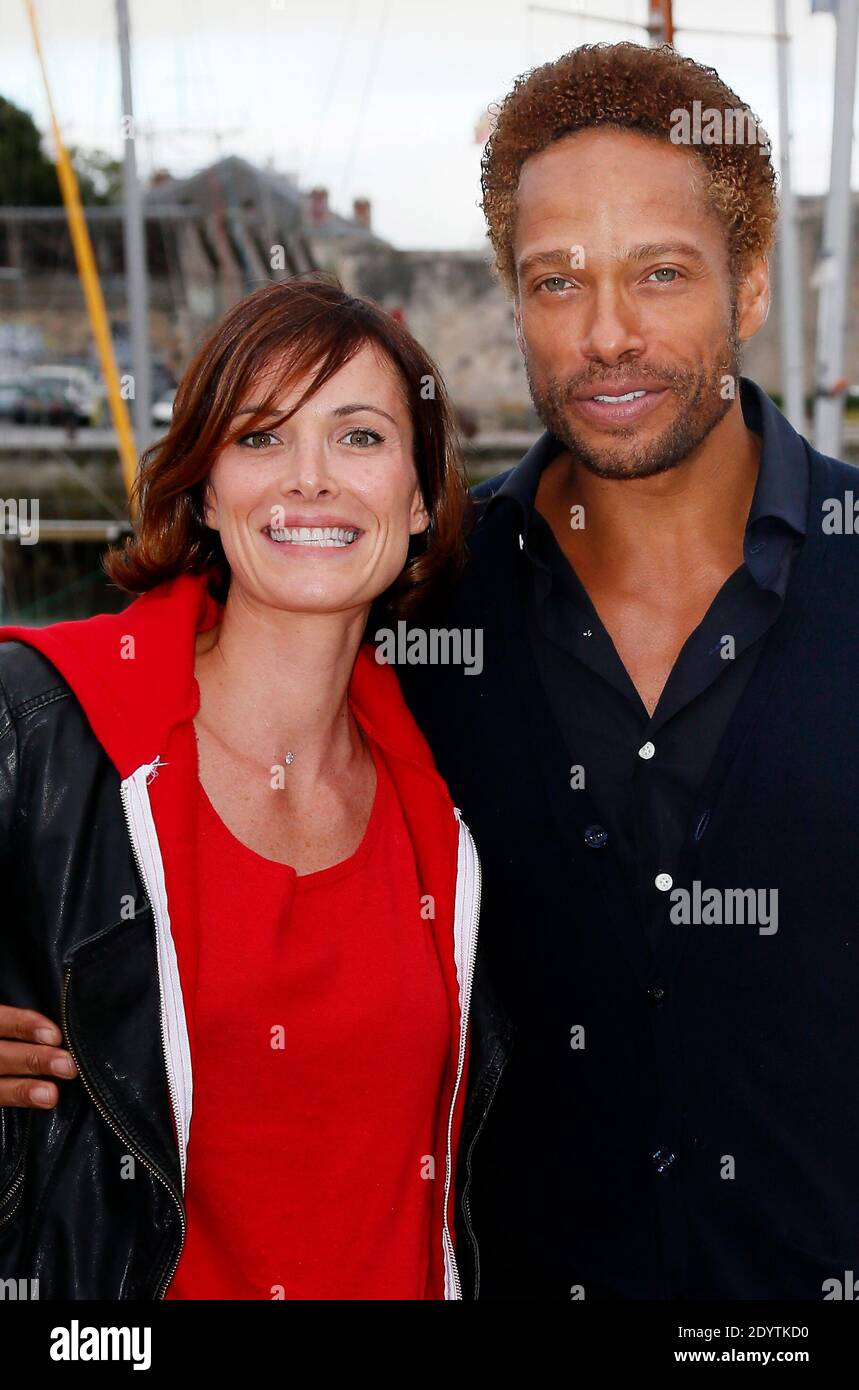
x=643, y=772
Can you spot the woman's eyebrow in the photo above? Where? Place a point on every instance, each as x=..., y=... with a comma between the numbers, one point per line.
x=338, y=411
x=358, y=405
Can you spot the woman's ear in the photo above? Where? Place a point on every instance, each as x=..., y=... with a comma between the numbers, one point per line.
x=419, y=518
x=208, y=506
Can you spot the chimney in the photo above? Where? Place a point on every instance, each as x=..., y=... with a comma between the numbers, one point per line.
x=361, y=212
x=318, y=206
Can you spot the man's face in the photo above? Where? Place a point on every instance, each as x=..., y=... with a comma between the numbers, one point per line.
x=623, y=286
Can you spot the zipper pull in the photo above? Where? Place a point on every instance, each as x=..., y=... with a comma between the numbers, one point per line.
x=154, y=769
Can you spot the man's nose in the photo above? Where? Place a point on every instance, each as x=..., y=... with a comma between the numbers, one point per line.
x=612, y=325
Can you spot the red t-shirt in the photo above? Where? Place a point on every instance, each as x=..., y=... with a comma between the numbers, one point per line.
x=322, y=1046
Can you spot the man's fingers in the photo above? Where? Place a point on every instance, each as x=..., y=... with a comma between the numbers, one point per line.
x=28, y=1059
x=28, y=1026
x=24, y=1055
x=20, y=1091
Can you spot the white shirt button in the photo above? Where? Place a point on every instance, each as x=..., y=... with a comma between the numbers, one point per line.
x=647, y=750
x=664, y=882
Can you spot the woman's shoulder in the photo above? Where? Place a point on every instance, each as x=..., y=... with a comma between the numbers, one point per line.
x=377, y=700
x=27, y=677
x=375, y=692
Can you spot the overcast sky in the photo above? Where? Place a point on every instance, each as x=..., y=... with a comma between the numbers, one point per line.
x=372, y=97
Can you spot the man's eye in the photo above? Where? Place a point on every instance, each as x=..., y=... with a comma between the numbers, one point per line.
x=259, y=439
x=362, y=438
x=665, y=270
x=554, y=283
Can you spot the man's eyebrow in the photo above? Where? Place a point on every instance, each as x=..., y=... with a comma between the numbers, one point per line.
x=663, y=248
x=564, y=255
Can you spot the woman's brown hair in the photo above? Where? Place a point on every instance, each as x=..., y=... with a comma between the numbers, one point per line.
x=311, y=327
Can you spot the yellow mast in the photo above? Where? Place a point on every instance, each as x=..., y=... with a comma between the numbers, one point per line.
x=89, y=278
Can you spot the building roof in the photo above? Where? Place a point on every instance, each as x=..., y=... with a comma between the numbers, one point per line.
x=232, y=184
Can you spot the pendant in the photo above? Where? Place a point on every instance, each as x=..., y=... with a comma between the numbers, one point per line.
x=290, y=758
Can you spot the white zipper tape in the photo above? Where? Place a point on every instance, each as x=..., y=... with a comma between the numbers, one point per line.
x=465, y=923
x=177, y=1050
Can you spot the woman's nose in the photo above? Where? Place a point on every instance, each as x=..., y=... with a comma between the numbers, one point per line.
x=308, y=473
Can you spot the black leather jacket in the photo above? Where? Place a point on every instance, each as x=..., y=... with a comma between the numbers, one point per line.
x=91, y=1191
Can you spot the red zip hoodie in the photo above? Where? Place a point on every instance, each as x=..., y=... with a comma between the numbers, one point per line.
x=133, y=675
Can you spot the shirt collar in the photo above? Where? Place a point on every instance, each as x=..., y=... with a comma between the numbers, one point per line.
x=782, y=489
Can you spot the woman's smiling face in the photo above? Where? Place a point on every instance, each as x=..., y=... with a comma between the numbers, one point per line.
x=315, y=512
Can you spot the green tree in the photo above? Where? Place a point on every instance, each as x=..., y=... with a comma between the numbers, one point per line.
x=28, y=178
x=99, y=176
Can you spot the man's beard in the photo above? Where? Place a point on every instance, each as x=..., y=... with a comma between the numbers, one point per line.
x=703, y=405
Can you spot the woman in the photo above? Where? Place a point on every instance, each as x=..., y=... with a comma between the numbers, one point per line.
x=232, y=872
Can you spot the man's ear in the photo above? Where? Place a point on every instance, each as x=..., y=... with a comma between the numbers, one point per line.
x=517, y=321
x=753, y=298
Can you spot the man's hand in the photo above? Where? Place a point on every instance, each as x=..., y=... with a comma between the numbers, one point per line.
x=28, y=1049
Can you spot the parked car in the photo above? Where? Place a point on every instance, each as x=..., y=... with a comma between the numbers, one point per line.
x=15, y=400
x=162, y=409
x=75, y=385
x=29, y=402
x=50, y=405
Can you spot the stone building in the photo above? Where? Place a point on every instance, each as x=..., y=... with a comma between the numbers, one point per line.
x=215, y=235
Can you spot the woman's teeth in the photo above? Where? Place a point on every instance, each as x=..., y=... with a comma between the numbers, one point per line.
x=313, y=535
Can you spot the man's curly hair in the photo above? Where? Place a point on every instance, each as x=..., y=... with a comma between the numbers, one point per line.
x=630, y=87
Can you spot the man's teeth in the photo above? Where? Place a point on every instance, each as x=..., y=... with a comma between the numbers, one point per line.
x=630, y=396
x=313, y=535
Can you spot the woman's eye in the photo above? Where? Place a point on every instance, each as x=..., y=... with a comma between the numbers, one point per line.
x=260, y=439
x=665, y=270
x=362, y=438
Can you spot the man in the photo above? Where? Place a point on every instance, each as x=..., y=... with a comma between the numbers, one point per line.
x=660, y=761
